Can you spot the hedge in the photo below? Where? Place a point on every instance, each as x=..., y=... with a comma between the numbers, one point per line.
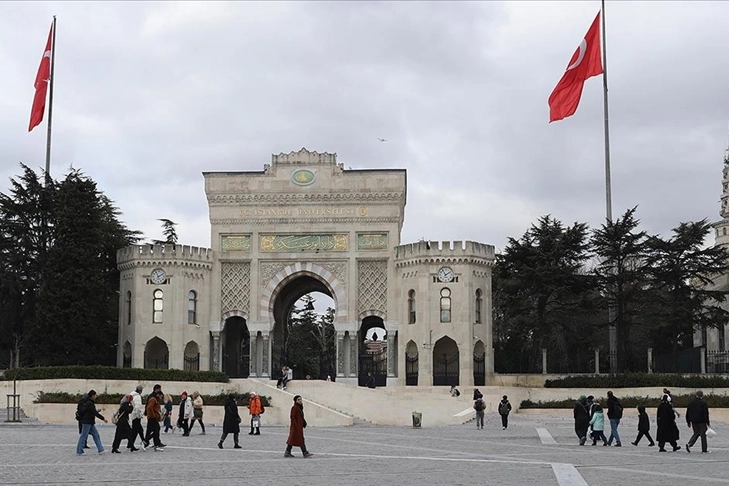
x=113, y=373
x=639, y=380
x=628, y=403
x=115, y=398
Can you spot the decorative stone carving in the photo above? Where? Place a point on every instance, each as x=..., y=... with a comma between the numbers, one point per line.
x=309, y=243
x=253, y=361
x=216, y=350
x=391, y=355
x=340, y=354
x=371, y=241
x=338, y=269
x=353, y=356
x=267, y=270
x=372, y=284
x=236, y=286
x=235, y=243
x=266, y=370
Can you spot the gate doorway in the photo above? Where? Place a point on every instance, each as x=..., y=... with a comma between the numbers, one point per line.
x=373, y=352
x=479, y=364
x=445, y=362
x=411, y=364
x=236, y=348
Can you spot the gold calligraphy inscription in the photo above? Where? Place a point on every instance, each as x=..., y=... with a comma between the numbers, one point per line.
x=235, y=243
x=289, y=212
x=309, y=243
x=372, y=241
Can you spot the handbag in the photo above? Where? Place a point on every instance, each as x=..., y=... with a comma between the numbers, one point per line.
x=710, y=432
x=256, y=422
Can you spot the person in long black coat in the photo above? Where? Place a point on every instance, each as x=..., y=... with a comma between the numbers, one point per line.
x=123, y=429
x=667, y=429
x=581, y=414
x=231, y=422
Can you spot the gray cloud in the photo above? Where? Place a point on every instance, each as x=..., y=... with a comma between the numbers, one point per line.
x=149, y=95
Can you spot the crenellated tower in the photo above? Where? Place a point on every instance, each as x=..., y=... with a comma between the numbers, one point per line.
x=722, y=226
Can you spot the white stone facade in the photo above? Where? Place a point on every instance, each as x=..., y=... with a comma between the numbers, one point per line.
x=306, y=224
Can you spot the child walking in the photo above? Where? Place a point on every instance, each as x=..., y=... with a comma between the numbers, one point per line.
x=644, y=425
x=598, y=424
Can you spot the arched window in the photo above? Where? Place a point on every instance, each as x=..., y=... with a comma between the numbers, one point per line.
x=192, y=307
x=411, y=307
x=158, y=306
x=479, y=303
x=129, y=307
x=445, y=305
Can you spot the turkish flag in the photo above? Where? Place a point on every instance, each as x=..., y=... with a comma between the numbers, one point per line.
x=41, y=85
x=586, y=62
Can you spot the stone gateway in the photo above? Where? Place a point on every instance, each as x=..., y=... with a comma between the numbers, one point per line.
x=407, y=314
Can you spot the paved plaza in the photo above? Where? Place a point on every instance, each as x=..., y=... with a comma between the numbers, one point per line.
x=535, y=449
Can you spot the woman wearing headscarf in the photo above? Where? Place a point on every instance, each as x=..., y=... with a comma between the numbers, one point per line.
x=296, y=430
x=581, y=414
x=231, y=421
x=667, y=429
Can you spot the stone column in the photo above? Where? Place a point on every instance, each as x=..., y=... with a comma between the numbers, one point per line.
x=265, y=372
x=340, y=354
x=703, y=360
x=391, y=355
x=650, y=360
x=253, y=362
x=544, y=361
x=353, y=357
x=597, y=361
x=216, y=350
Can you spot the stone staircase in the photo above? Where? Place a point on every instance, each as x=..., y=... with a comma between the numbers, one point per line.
x=22, y=416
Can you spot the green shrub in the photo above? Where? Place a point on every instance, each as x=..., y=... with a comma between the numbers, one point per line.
x=115, y=398
x=113, y=373
x=629, y=403
x=639, y=380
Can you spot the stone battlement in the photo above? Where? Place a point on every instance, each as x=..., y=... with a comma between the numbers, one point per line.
x=163, y=252
x=304, y=157
x=445, y=249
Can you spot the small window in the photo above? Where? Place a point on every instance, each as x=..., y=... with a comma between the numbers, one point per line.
x=192, y=307
x=411, y=307
x=479, y=303
x=157, y=306
x=128, y=304
x=445, y=305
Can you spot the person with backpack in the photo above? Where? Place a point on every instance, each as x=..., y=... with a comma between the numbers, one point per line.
x=78, y=418
x=479, y=406
x=88, y=413
x=615, y=413
x=255, y=408
x=504, y=409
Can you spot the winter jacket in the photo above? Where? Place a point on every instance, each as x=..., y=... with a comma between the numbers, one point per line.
x=666, y=419
x=615, y=410
x=89, y=412
x=186, y=409
x=153, y=410
x=644, y=424
x=598, y=420
x=697, y=412
x=298, y=423
x=255, y=407
x=231, y=421
x=138, y=408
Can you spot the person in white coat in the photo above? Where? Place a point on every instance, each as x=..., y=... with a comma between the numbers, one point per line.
x=136, y=416
x=183, y=420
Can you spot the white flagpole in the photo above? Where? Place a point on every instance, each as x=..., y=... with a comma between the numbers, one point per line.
x=50, y=100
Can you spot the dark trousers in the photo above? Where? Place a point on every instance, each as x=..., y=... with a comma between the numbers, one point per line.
x=192, y=422
x=137, y=430
x=661, y=444
x=153, y=432
x=699, y=431
x=640, y=436
x=123, y=431
x=184, y=424
x=598, y=435
x=303, y=448
x=505, y=420
x=225, y=436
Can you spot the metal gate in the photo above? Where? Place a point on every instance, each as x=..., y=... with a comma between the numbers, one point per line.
x=479, y=370
x=375, y=364
x=411, y=370
x=445, y=370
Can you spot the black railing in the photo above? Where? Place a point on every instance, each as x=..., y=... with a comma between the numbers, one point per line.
x=411, y=370
x=717, y=361
x=192, y=363
x=445, y=370
x=162, y=363
x=127, y=362
x=479, y=369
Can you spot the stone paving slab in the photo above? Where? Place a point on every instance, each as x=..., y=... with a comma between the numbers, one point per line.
x=461, y=454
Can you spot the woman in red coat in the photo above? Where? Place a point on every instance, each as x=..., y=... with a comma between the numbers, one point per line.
x=296, y=431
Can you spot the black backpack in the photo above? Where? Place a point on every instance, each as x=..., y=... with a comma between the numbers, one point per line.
x=479, y=405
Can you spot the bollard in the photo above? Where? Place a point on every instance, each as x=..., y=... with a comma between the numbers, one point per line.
x=417, y=419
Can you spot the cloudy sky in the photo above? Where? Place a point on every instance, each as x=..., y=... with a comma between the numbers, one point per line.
x=149, y=95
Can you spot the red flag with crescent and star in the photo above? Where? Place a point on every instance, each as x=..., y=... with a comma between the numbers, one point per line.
x=586, y=62
x=41, y=85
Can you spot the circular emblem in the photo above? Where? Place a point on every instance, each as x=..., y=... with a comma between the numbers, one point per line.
x=362, y=211
x=303, y=177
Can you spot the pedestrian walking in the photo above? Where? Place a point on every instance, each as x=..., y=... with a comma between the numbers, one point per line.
x=697, y=418
x=615, y=413
x=89, y=414
x=667, y=430
x=78, y=417
x=296, y=429
x=185, y=413
x=504, y=410
x=581, y=414
x=479, y=406
x=154, y=417
x=255, y=408
x=231, y=422
x=598, y=424
x=123, y=428
x=644, y=427
x=168, y=413
x=197, y=411
x=136, y=416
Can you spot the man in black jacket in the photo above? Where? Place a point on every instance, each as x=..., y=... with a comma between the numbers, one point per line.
x=615, y=413
x=697, y=417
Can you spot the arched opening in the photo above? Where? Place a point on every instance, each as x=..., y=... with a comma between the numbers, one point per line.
x=411, y=364
x=156, y=354
x=373, y=351
x=304, y=338
x=236, y=347
x=479, y=364
x=127, y=355
x=445, y=362
x=192, y=357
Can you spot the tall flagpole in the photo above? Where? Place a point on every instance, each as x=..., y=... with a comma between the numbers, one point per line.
x=50, y=100
x=612, y=327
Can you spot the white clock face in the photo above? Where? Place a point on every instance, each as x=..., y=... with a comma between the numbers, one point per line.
x=158, y=276
x=445, y=274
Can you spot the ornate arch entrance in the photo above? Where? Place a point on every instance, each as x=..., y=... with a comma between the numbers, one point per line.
x=236, y=347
